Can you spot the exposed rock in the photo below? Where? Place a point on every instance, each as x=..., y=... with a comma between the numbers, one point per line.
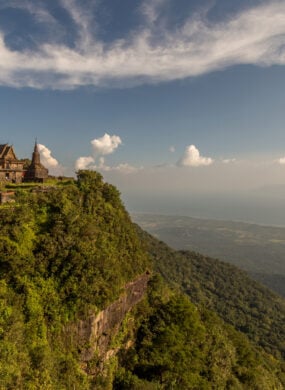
x=96, y=332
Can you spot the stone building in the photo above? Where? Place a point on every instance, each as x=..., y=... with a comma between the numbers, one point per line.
x=36, y=171
x=11, y=169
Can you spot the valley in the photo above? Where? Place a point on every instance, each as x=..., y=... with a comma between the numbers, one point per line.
x=257, y=249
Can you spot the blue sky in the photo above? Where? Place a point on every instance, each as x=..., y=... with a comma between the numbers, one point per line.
x=167, y=98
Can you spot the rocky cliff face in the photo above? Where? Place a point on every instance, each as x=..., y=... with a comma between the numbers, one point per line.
x=96, y=332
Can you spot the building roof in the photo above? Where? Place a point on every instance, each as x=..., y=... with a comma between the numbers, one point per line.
x=3, y=148
x=7, y=151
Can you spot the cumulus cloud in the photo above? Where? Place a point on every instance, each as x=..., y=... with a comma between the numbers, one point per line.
x=84, y=162
x=172, y=149
x=197, y=47
x=89, y=163
x=102, y=146
x=192, y=158
x=106, y=144
x=282, y=160
x=47, y=159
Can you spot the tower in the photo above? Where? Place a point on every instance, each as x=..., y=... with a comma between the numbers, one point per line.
x=36, y=158
x=36, y=171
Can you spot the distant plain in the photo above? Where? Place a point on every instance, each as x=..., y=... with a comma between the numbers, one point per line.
x=257, y=249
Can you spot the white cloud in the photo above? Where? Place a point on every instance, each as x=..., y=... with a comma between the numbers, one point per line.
x=37, y=10
x=192, y=158
x=281, y=160
x=197, y=47
x=228, y=160
x=101, y=147
x=84, y=162
x=126, y=168
x=46, y=158
x=106, y=144
x=172, y=149
x=89, y=163
x=51, y=163
x=151, y=10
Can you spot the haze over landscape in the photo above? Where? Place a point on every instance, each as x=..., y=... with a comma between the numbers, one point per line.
x=179, y=104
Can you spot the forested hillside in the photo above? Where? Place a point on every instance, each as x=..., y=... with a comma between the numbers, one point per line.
x=259, y=250
x=179, y=345
x=223, y=288
x=69, y=255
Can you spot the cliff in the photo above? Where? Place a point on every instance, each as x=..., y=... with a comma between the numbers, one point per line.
x=97, y=331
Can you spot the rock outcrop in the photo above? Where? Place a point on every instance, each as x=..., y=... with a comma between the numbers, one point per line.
x=96, y=332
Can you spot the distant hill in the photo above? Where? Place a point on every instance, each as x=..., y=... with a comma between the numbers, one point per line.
x=237, y=299
x=259, y=250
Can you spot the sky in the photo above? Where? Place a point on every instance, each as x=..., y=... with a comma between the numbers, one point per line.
x=179, y=103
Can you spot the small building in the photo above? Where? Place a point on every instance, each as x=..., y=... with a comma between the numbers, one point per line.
x=36, y=171
x=11, y=169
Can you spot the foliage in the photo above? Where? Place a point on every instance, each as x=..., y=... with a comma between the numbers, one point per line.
x=180, y=347
x=68, y=250
x=259, y=250
x=223, y=288
x=64, y=250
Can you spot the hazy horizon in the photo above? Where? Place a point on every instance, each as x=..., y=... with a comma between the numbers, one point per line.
x=229, y=208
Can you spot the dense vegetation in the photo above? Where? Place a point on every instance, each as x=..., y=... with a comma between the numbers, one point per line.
x=180, y=346
x=223, y=288
x=259, y=250
x=67, y=251
x=63, y=252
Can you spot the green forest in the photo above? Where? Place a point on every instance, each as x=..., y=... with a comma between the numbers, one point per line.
x=68, y=250
x=257, y=249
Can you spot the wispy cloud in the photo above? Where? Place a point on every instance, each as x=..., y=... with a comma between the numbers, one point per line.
x=228, y=160
x=124, y=168
x=253, y=36
x=192, y=158
x=281, y=160
x=151, y=10
x=38, y=10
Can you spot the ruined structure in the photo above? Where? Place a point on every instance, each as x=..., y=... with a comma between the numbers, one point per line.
x=11, y=169
x=36, y=171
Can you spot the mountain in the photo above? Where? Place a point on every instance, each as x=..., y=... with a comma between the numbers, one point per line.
x=83, y=305
x=259, y=250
